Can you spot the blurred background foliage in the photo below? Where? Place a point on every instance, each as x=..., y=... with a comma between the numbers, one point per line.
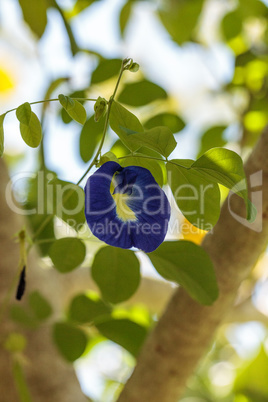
x=203, y=74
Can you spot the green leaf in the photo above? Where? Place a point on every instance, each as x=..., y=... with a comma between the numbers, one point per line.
x=196, y=195
x=67, y=253
x=86, y=308
x=150, y=164
x=223, y=166
x=21, y=316
x=31, y=133
x=39, y=206
x=121, y=118
x=231, y=25
x=141, y=93
x=2, y=134
x=125, y=333
x=74, y=108
x=35, y=14
x=252, y=378
x=211, y=138
x=106, y=69
x=160, y=139
x=170, y=120
x=39, y=305
x=70, y=340
x=20, y=382
x=116, y=272
x=69, y=202
x=124, y=16
x=24, y=113
x=90, y=137
x=107, y=157
x=188, y=265
x=181, y=18
x=15, y=342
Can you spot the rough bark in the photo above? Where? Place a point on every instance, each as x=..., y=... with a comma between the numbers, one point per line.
x=48, y=376
x=185, y=331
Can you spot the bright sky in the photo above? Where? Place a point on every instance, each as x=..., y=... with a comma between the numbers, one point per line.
x=188, y=73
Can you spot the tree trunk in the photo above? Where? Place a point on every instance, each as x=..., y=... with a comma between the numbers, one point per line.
x=48, y=376
x=185, y=331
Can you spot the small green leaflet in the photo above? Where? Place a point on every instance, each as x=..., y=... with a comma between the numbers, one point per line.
x=125, y=333
x=106, y=69
x=223, y=166
x=24, y=113
x=2, y=134
x=74, y=108
x=160, y=139
x=35, y=14
x=141, y=93
x=39, y=305
x=67, y=253
x=170, y=120
x=197, y=196
x=116, y=272
x=70, y=340
x=188, y=265
x=89, y=137
x=30, y=127
x=86, y=308
x=120, y=117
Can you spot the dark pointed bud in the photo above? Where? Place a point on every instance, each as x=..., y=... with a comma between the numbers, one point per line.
x=21, y=284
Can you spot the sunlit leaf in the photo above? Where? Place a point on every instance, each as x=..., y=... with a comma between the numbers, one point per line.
x=121, y=119
x=32, y=133
x=74, y=108
x=225, y=167
x=159, y=139
x=197, y=196
x=24, y=113
x=141, y=93
x=117, y=273
x=252, y=378
x=67, y=253
x=211, y=138
x=70, y=340
x=188, y=265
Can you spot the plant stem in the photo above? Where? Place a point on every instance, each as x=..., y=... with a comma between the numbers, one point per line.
x=52, y=100
x=133, y=155
x=48, y=219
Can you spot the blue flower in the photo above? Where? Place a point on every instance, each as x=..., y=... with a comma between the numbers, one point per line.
x=125, y=207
